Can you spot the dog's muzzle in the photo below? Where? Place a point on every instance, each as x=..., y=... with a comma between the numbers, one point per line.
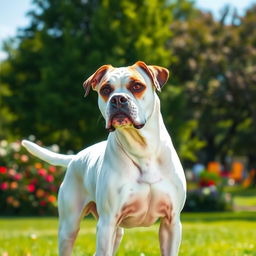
x=121, y=114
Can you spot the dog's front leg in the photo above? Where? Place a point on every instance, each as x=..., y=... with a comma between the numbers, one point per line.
x=71, y=201
x=106, y=231
x=170, y=236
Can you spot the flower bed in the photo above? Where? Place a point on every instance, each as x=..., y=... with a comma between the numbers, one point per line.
x=208, y=199
x=27, y=185
x=209, y=195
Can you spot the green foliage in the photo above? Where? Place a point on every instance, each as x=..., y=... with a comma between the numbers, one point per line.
x=178, y=122
x=208, y=199
x=210, y=176
x=209, y=195
x=65, y=43
x=216, y=66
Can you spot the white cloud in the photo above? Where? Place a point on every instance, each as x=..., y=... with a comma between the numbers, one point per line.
x=6, y=31
x=3, y=55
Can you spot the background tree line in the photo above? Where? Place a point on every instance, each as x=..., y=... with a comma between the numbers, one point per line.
x=209, y=103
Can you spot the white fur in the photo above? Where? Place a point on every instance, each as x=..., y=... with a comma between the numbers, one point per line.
x=133, y=179
x=47, y=155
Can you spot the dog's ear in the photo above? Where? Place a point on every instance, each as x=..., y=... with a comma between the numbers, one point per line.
x=157, y=74
x=95, y=78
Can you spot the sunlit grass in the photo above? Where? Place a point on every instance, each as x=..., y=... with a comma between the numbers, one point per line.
x=244, y=198
x=227, y=234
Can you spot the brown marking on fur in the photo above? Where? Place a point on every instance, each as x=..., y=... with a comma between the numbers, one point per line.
x=165, y=209
x=91, y=208
x=158, y=75
x=160, y=161
x=95, y=78
x=136, y=136
x=136, y=79
x=105, y=98
x=139, y=168
x=103, y=84
x=162, y=74
x=128, y=209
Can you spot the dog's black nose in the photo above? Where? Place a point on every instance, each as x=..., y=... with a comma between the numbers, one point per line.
x=118, y=101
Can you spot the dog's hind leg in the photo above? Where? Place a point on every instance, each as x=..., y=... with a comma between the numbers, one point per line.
x=170, y=236
x=71, y=203
x=118, y=237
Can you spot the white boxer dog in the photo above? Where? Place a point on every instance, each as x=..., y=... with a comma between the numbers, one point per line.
x=132, y=179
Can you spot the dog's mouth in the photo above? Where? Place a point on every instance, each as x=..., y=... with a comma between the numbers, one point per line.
x=121, y=120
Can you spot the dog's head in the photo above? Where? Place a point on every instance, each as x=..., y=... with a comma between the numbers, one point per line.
x=126, y=94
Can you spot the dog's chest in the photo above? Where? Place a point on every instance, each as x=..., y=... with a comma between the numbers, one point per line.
x=145, y=204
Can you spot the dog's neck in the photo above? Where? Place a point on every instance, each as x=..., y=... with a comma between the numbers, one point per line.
x=145, y=146
x=144, y=142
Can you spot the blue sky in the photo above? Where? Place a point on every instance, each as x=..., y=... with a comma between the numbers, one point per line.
x=13, y=13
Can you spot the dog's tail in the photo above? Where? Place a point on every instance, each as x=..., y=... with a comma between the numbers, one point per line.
x=47, y=155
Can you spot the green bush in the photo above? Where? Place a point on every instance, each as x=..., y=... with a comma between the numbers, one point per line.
x=209, y=179
x=209, y=196
x=208, y=199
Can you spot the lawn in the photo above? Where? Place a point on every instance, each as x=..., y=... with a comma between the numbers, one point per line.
x=244, y=198
x=212, y=234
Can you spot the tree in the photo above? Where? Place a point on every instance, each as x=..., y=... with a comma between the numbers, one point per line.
x=67, y=41
x=216, y=66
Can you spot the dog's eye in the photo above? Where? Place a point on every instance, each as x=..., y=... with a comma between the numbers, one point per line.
x=106, y=90
x=137, y=87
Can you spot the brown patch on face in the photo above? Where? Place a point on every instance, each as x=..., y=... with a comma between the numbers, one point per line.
x=105, y=90
x=95, y=78
x=136, y=86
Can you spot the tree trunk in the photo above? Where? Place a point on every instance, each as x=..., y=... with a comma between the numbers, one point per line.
x=210, y=150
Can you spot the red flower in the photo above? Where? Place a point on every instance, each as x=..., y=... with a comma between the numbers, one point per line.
x=49, y=178
x=3, y=169
x=34, y=181
x=31, y=188
x=52, y=169
x=42, y=172
x=18, y=176
x=4, y=186
x=53, y=188
x=211, y=183
x=203, y=183
x=42, y=203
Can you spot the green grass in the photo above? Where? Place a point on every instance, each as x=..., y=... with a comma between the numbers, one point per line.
x=244, y=198
x=204, y=234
